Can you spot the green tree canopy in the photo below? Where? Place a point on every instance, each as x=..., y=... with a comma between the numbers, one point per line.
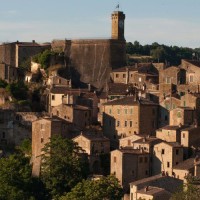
x=62, y=167
x=171, y=54
x=43, y=58
x=18, y=90
x=3, y=83
x=158, y=53
x=105, y=188
x=16, y=182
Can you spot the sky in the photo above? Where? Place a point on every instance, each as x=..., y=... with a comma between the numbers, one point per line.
x=170, y=22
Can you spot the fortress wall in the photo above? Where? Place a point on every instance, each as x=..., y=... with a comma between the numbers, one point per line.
x=58, y=45
x=7, y=54
x=91, y=60
x=25, y=52
x=118, y=53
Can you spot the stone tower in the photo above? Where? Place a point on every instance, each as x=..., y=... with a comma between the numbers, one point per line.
x=118, y=18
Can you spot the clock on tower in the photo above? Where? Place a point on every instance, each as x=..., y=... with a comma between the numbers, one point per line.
x=118, y=18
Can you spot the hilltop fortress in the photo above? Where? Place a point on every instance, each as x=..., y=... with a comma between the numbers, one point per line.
x=93, y=59
x=89, y=60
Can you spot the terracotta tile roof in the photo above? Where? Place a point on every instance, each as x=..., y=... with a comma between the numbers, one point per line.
x=193, y=62
x=67, y=90
x=185, y=165
x=168, y=183
x=155, y=191
x=130, y=100
x=173, y=144
x=93, y=136
x=168, y=127
x=124, y=69
x=118, y=88
x=148, y=140
x=129, y=150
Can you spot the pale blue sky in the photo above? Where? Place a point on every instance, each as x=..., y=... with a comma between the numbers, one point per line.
x=171, y=22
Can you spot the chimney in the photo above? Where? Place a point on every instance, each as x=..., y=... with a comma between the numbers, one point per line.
x=89, y=87
x=33, y=41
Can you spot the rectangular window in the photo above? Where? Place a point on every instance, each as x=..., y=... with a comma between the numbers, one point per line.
x=118, y=123
x=124, y=75
x=125, y=123
x=177, y=151
x=141, y=159
x=163, y=151
x=183, y=135
x=53, y=97
x=125, y=111
x=168, y=164
x=117, y=75
x=118, y=111
x=191, y=78
x=42, y=126
x=131, y=111
x=131, y=123
x=168, y=80
x=115, y=159
x=145, y=159
x=110, y=111
x=129, y=142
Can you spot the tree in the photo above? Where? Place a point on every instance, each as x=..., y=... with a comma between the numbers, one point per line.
x=25, y=147
x=18, y=90
x=158, y=53
x=106, y=188
x=189, y=190
x=62, y=167
x=16, y=182
x=43, y=58
x=3, y=83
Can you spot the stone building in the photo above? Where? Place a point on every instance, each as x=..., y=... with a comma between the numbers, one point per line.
x=58, y=95
x=146, y=144
x=6, y=127
x=13, y=54
x=166, y=156
x=190, y=136
x=8, y=73
x=185, y=168
x=182, y=115
x=91, y=60
x=128, y=141
x=167, y=103
x=155, y=187
x=58, y=81
x=22, y=125
x=129, y=164
x=170, y=133
x=192, y=68
x=42, y=130
x=80, y=116
x=141, y=75
x=94, y=145
x=127, y=116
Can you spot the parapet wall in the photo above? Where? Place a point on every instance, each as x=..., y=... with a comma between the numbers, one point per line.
x=91, y=60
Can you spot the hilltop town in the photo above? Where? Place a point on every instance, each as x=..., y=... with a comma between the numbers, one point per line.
x=86, y=102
